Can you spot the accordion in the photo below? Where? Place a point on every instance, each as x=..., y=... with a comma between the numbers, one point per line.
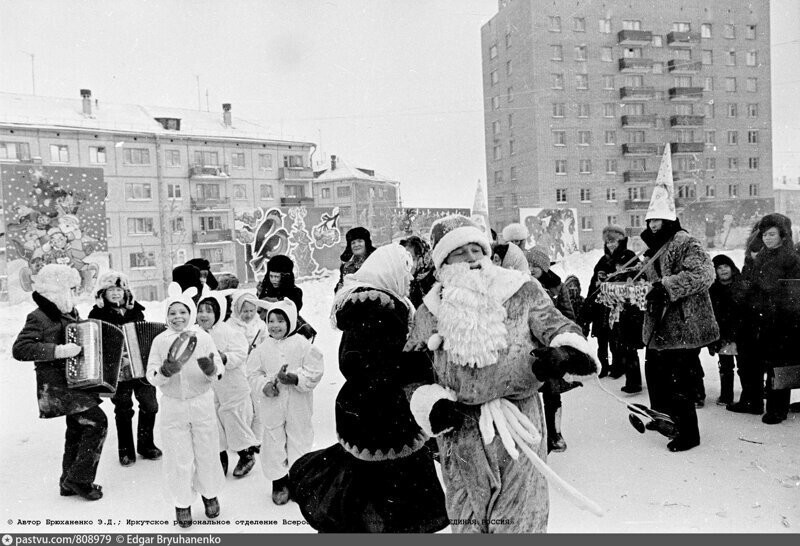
x=96, y=368
x=139, y=337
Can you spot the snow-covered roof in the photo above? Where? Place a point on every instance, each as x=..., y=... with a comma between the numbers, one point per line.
x=346, y=171
x=62, y=113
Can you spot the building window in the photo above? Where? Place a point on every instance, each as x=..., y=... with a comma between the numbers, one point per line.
x=496, y=103
x=752, y=163
x=708, y=83
x=295, y=191
x=750, y=32
x=237, y=160
x=510, y=94
x=711, y=191
x=733, y=190
x=752, y=137
x=265, y=192
x=176, y=225
x=59, y=153
x=682, y=81
x=732, y=110
x=710, y=163
x=682, y=54
x=611, y=196
x=140, y=226
x=636, y=220
x=636, y=137
x=581, y=53
x=681, y=27
x=705, y=30
x=343, y=191
x=638, y=165
x=557, y=81
x=584, y=138
x=174, y=191
x=558, y=109
x=508, y=39
x=586, y=195
x=607, y=54
x=751, y=85
x=325, y=193
x=557, y=53
x=493, y=51
x=294, y=161
x=752, y=110
x=137, y=191
x=730, y=58
x=658, y=68
x=265, y=161
x=561, y=195
x=608, y=81
x=585, y=166
x=730, y=85
x=657, y=41
x=612, y=219
x=494, y=77
x=498, y=202
x=211, y=223
x=636, y=193
x=559, y=138
x=708, y=110
x=733, y=138
x=631, y=24
x=608, y=110
x=173, y=158
x=511, y=150
x=513, y=174
x=583, y=110
x=495, y=127
x=604, y=26
x=497, y=153
x=239, y=192
x=729, y=32
x=686, y=192
x=555, y=23
x=751, y=58
x=586, y=223
x=634, y=81
x=15, y=150
x=579, y=24
x=632, y=52
x=213, y=255
x=753, y=190
x=137, y=156
x=611, y=165
x=97, y=155
x=610, y=137
x=142, y=260
x=561, y=166
x=509, y=67
x=510, y=121
x=707, y=56
x=206, y=158
x=733, y=163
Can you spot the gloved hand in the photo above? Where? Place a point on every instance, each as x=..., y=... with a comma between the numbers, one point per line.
x=551, y=363
x=170, y=367
x=68, y=350
x=657, y=294
x=271, y=390
x=287, y=378
x=447, y=414
x=206, y=364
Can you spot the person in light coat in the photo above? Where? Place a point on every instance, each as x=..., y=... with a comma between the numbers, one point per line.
x=189, y=422
x=245, y=318
x=283, y=372
x=232, y=392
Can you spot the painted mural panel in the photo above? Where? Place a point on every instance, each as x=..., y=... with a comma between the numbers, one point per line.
x=724, y=224
x=400, y=222
x=554, y=229
x=53, y=215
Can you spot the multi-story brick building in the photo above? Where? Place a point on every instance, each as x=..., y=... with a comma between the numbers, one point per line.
x=581, y=97
x=175, y=177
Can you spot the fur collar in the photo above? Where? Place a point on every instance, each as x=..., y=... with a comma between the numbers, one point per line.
x=51, y=310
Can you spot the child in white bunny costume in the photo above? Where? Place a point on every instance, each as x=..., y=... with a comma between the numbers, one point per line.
x=283, y=372
x=189, y=421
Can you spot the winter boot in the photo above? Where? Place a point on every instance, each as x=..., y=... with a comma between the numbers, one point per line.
x=280, y=491
x=604, y=366
x=246, y=462
x=145, y=446
x=89, y=491
x=212, y=507
x=725, y=388
x=555, y=442
x=184, y=516
x=223, y=458
x=127, y=453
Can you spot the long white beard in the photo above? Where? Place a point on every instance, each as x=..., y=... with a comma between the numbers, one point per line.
x=60, y=296
x=471, y=321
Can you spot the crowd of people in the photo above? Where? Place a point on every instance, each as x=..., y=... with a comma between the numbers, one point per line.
x=454, y=349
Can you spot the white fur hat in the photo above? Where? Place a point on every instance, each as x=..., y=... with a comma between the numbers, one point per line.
x=452, y=232
x=515, y=232
x=112, y=278
x=54, y=278
x=174, y=295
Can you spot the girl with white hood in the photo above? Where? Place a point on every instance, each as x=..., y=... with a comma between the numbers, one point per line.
x=232, y=392
x=189, y=422
x=245, y=318
x=283, y=372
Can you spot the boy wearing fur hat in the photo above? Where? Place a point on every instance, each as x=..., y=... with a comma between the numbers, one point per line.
x=232, y=392
x=43, y=341
x=279, y=282
x=359, y=247
x=185, y=375
x=116, y=305
x=482, y=324
x=727, y=297
x=283, y=372
x=516, y=234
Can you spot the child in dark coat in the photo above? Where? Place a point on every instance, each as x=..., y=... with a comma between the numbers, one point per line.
x=116, y=305
x=43, y=340
x=727, y=295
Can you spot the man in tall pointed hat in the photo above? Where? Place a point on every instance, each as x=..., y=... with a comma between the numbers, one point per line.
x=679, y=319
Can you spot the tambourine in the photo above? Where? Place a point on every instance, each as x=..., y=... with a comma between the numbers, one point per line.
x=182, y=348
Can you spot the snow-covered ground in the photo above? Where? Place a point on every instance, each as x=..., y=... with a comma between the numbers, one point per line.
x=744, y=477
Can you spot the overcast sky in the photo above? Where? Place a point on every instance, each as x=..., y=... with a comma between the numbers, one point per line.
x=393, y=85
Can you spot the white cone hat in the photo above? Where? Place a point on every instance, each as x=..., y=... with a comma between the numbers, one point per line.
x=662, y=202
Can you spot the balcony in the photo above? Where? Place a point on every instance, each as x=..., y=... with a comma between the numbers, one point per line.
x=212, y=236
x=634, y=37
x=637, y=93
x=677, y=39
x=689, y=176
x=295, y=173
x=297, y=201
x=679, y=66
x=208, y=171
x=687, y=147
x=685, y=94
x=639, y=176
x=632, y=64
x=636, y=204
x=639, y=121
x=641, y=149
x=686, y=121
x=210, y=203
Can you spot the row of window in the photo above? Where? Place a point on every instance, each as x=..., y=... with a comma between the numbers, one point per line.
x=604, y=27
x=147, y=260
x=146, y=225
x=581, y=53
x=584, y=138
x=583, y=110
x=607, y=82
x=143, y=191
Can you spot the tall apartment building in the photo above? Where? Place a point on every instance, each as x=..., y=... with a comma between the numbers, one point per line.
x=581, y=97
x=176, y=178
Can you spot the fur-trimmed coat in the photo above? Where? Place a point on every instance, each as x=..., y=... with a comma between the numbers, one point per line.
x=686, y=271
x=487, y=490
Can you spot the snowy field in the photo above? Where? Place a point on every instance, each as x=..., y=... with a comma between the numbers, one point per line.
x=744, y=477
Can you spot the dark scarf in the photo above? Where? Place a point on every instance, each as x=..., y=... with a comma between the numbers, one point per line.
x=51, y=309
x=655, y=241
